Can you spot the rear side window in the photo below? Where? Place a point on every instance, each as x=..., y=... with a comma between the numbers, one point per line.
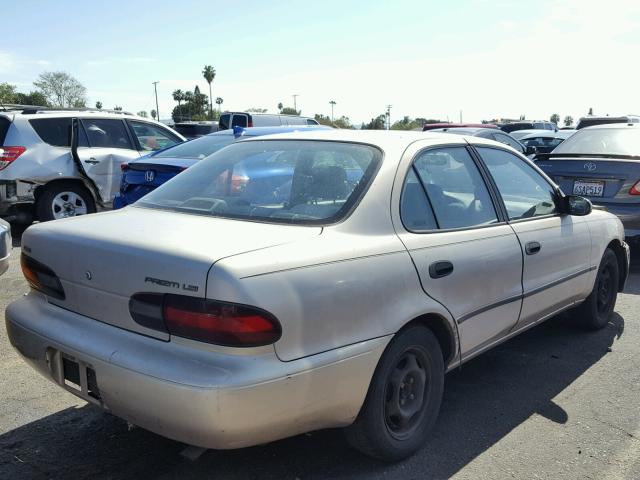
x=265, y=120
x=223, y=123
x=54, y=131
x=455, y=187
x=5, y=123
x=106, y=133
x=415, y=211
x=239, y=121
x=311, y=122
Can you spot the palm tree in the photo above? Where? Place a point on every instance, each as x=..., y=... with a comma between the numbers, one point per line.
x=280, y=106
x=332, y=103
x=219, y=103
x=209, y=73
x=99, y=105
x=178, y=96
x=188, y=98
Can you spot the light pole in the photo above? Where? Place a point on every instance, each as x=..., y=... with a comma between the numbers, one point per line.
x=332, y=103
x=389, y=117
x=295, y=105
x=155, y=88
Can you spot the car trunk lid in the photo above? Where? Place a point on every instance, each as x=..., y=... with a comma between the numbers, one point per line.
x=102, y=260
x=601, y=179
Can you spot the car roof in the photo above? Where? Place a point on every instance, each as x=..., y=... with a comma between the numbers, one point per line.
x=463, y=130
x=605, y=126
x=78, y=114
x=259, y=131
x=548, y=134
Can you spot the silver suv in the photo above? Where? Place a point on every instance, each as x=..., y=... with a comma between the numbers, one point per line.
x=62, y=163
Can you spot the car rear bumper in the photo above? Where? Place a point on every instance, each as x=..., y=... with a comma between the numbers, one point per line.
x=200, y=397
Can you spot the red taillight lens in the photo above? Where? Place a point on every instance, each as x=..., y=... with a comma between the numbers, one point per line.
x=219, y=322
x=9, y=154
x=124, y=167
x=41, y=278
x=635, y=190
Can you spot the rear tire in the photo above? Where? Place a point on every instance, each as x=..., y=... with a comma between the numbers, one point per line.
x=595, y=311
x=404, y=397
x=63, y=200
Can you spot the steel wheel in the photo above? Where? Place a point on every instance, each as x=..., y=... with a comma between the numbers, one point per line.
x=405, y=394
x=605, y=290
x=68, y=204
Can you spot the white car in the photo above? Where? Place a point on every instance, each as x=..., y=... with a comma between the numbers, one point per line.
x=310, y=280
x=5, y=245
x=62, y=163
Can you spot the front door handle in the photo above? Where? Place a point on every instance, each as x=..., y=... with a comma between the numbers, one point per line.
x=92, y=161
x=532, y=248
x=440, y=269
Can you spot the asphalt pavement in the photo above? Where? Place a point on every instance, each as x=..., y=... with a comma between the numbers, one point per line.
x=554, y=403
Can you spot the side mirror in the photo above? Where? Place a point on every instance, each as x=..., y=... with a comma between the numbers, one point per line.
x=530, y=150
x=576, y=205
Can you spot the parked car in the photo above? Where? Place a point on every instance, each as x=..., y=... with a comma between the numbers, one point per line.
x=62, y=163
x=543, y=140
x=437, y=126
x=591, y=121
x=258, y=318
x=5, y=245
x=491, y=134
x=601, y=163
x=528, y=125
x=229, y=120
x=191, y=130
x=141, y=176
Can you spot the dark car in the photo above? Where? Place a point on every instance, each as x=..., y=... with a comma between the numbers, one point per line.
x=491, y=134
x=245, y=119
x=191, y=130
x=141, y=176
x=528, y=125
x=601, y=163
x=436, y=126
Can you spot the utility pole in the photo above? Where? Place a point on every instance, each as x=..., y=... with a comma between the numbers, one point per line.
x=460, y=116
x=389, y=117
x=295, y=105
x=155, y=88
x=332, y=103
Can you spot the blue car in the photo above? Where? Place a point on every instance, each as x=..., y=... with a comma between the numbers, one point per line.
x=145, y=174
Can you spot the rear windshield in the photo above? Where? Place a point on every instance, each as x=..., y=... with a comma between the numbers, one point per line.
x=5, y=123
x=193, y=130
x=277, y=181
x=591, y=122
x=614, y=141
x=199, y=148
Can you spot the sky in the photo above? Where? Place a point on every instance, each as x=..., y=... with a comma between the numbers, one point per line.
x=479, y=59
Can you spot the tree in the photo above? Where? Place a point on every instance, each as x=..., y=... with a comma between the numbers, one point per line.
x=31, y=98
x=568, y=121
x=154, y=114
x=407, y=123
x=289, y=111
x=7, y=93
x=99, y=105
x=590, y=111
x=522, y=117
x=378, y=123
x=143, y=114
x=117, y=108
x=555, y=118
x=61, y=89
x=280, y=107
x=256, y=110
x=178, y=96
x=333, y=104
x=209, y=73
x=219, y=102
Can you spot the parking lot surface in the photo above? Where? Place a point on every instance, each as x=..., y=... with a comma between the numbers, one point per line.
x=555, y=402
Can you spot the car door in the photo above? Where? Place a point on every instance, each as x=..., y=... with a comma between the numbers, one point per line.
x=104, y=144
x=468, y=259
x=556, y=247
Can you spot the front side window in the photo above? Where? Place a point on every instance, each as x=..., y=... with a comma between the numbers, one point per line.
x=151, y=138
x=524, y=191
x=106, y=133
x=456, y=190
x=279, y=181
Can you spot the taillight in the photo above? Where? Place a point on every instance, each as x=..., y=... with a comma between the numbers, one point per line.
x=250, y=123
x=124, y=167
x=635, y=190
x=41, y=277
x=210, y=321
x=9, y=154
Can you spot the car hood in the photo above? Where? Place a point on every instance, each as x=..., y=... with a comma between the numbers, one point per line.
x=103, y=259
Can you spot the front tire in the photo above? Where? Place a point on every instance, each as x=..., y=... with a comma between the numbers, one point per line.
x=404, y=397
x=595, y=311
x=63, y=200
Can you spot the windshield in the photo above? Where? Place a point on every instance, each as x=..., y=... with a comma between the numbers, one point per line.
x=612, y=141
x=278, y=181
x=198, y=148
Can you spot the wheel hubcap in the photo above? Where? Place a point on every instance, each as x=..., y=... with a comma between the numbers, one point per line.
x=68, y=204
x=405, y=394
x=605, y=290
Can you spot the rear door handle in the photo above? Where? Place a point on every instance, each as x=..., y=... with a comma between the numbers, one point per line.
x=532, y=248
x=440, y=269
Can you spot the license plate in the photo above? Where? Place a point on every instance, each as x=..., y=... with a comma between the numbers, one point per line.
x=588, y=188
x=74, y=375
